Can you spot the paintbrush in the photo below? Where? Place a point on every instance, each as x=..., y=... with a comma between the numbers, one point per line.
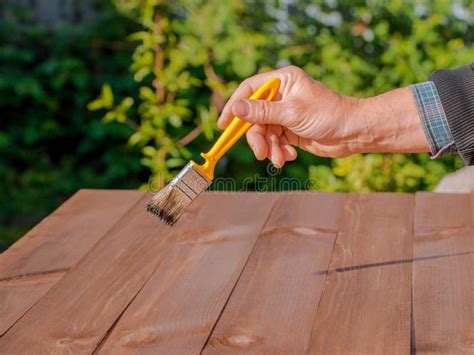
x=170, y=202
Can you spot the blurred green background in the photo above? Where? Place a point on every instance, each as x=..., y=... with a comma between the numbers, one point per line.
x=121, y=93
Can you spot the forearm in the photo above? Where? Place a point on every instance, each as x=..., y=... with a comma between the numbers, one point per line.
x=390, y=123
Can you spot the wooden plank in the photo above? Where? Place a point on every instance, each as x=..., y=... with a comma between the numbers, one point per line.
x=443, y=290
x=273, y=307
x=55, y=245
x=76, y=314
x=366, y=303
x=65, y=236
x=176, y=310
x=18, y=295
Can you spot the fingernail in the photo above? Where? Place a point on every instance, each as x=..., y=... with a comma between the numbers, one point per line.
x=256, y=151
x=241, y=108
x=254, y=148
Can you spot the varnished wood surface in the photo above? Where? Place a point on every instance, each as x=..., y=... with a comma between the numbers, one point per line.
x=176, y=310
x=444, y=274
x=35, y=263
x=273, y=306
x=287, y=273
x=367, y=295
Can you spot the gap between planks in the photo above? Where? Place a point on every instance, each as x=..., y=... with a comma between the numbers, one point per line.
x=111, y=329
x=359, y=251
x=443, y=288
x=102, y=346
x=105, y=338
x=40, y=282
x=26, y=289
x=62, y=238
x=213, y=235
x=262, y=230
x=306, y=346
x=311, y=233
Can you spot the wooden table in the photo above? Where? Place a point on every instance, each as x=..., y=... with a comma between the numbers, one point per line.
x=297, y=272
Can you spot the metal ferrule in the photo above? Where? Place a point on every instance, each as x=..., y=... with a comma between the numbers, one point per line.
x=190, y=181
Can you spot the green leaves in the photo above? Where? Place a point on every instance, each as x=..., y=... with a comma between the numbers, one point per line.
x=208, y=119
x=119, y=113
x=104, y=101
x=107, y=96
x=186, y=62
x=147, y=94
x=191, y=54
x=50, y=144
x=180, y=62
x=381, y=172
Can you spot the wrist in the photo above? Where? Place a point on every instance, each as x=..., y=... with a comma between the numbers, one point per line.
x=389, y=123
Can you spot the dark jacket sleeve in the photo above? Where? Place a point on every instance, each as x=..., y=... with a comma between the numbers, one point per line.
x=456, y=91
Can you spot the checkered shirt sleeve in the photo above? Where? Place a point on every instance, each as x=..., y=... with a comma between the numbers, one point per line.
x=433, y=119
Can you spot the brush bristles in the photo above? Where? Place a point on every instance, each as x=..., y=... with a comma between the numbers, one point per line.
x=168, y=204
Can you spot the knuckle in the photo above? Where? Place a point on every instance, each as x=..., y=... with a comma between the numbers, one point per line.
x=243, y=86
x=295, y=69
x=261, y=111
x=245, y=82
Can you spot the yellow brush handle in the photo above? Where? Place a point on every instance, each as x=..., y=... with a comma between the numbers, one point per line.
x=234, y=131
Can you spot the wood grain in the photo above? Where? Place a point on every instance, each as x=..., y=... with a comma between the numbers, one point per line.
x=366, y=303
x=443, y=277
x=176, y=310
x=18, y=295
x=55, y=245
x=65, y=236
x=274, y=304
x=103, y=275
x=76, y=314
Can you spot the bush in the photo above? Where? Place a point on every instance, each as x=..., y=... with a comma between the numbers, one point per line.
x=186, y=57
x=50, y=145
x=189, y=60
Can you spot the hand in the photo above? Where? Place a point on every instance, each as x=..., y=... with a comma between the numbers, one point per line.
x=308, y=115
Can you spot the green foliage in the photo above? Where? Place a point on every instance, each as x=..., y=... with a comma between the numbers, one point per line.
x=174, y=63
x=382, y=172
x=158, y=72
x=193, y=53
x=50, y=145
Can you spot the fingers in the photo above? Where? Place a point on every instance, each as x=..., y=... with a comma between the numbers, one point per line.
x=245, y=89
x=256, y=141
x=289, y=151
x=271, y=142
x=261, y=111
x=288, y=76
x=275, y=153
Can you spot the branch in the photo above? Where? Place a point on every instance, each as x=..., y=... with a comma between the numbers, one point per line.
x=190, y=136
x=159, y=61
x=217, y=100
x=131, y=123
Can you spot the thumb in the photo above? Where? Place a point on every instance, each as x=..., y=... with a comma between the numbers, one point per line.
x=258, y=111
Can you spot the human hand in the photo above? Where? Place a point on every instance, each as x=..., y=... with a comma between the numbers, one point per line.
x=308, y=115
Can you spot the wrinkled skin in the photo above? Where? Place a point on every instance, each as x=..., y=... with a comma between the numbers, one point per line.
x=307, y=114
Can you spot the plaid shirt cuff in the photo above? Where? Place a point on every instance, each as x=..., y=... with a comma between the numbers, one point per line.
x=433, y=119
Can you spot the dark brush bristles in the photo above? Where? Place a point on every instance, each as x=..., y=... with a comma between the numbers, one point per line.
x=168, y=204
